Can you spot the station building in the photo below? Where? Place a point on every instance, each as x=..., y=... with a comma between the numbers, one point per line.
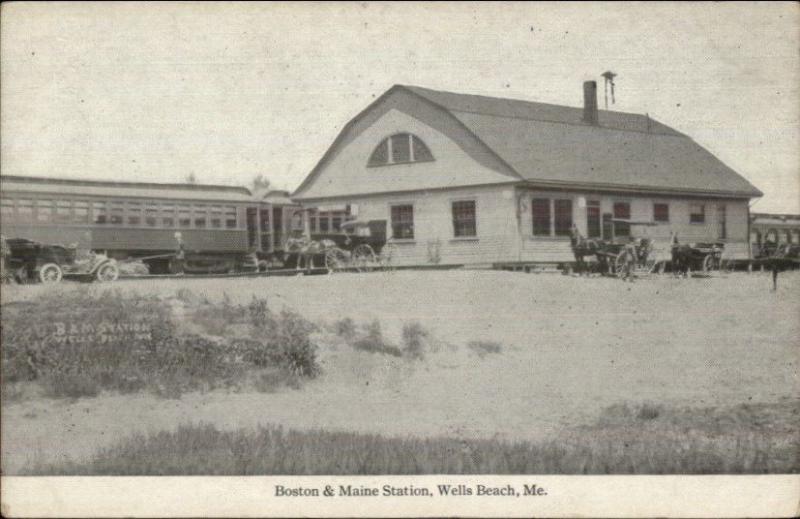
x=475, y=180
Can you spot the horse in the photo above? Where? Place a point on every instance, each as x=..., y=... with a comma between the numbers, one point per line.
x=582, y=247
x=306, y=249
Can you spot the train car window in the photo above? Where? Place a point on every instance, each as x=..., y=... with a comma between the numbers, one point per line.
x=151, y=215
x=200, y=216
x=216, y=217
x=6, y=207
x=134, y=213
x=117, y=210
x=25, y=209
x=63, y=211
x=230, y=217
x=80, y=212
x=184, y=216
x=44, y=210
x=167, y=215
x=100, y=213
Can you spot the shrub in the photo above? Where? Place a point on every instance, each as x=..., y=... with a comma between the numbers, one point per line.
x=372, y=341
x=70, y=385
x=414, y=336
x=345, y=328
x=297, y=352
x=272, y=380
x=483, y=348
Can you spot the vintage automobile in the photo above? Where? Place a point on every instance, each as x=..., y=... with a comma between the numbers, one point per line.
x=34, y=261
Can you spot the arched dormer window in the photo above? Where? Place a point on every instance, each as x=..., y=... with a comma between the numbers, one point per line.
x=400, y=148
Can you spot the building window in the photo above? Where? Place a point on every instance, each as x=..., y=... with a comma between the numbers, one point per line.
x=323, y=222
x=697, y=213
x=81, y=212
x=403, y=222
x=563, y=217
x=722, y=222
x=464, y=219
x=44, y=210
x=622, y=211
x=661, y=213
x=336, y=222
x=400, y=148
x=540, y=212
x=230, y=217
x=593, y=227
x=100, y=213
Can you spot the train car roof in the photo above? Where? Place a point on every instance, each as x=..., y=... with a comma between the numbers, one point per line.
x=204, y=192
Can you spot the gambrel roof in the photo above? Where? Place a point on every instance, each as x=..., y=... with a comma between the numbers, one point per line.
x=550, y=144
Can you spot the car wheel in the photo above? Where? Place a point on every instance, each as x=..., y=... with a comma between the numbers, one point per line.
x=50, y=273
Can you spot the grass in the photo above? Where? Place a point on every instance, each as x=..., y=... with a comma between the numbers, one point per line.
x=747, y=439
x=80, y=343
x=372, y=341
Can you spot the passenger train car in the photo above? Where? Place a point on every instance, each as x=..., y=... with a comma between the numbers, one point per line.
x=220, y=228
x=769, y=231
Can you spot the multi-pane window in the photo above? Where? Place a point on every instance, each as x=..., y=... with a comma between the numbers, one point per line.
x=722, y=223
x=464, y=219
x=100, y=213
x=44, y=210
x=400, y=148
x=216, y=217
x=25, y=210
x=336, y=223
x=117, y=211
x=563, y=217
x=80, y=212
x=324, y=222
x=403, y=222
x=622, y=211
x=697, y=213
x=230, y=217
x=661, y=213
x=151, y=215
x=593, y=227
x=184, y=216
x=134, y=213
x=6, y=207
x=200, y=216
x=540, y=213
x=167, y=215
x=63, y=211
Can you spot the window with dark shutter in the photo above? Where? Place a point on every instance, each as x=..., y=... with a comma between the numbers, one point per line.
x=563, y=217
x=661, y=213
x=622, y=211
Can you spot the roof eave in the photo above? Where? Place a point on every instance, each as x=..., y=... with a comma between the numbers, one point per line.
x=600, y=186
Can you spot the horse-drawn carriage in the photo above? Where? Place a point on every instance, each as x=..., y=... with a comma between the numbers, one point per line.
x=359, y=245
x=34, y=261
x=643, y=255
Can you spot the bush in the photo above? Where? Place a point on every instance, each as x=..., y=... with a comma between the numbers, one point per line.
x=272, y=380
x=345, y=328
x=79, y=343
x=372, y=341
x=414, y=336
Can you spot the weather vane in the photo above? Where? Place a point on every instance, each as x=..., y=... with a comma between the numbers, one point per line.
x=609, y=77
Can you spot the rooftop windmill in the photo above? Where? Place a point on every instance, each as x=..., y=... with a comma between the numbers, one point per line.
x=609, y=80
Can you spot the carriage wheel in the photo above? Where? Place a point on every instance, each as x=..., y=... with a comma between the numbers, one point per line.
x=50, y=273
x=107, y=273
x=619, y=263
x=363, y=256
x=335, y=259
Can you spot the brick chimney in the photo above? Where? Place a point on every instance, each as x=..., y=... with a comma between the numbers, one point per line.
x=590, y=102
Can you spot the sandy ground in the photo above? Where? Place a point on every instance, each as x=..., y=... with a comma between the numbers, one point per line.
x=571, y=346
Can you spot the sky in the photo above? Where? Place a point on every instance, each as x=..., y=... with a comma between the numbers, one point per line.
x=159, y=91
